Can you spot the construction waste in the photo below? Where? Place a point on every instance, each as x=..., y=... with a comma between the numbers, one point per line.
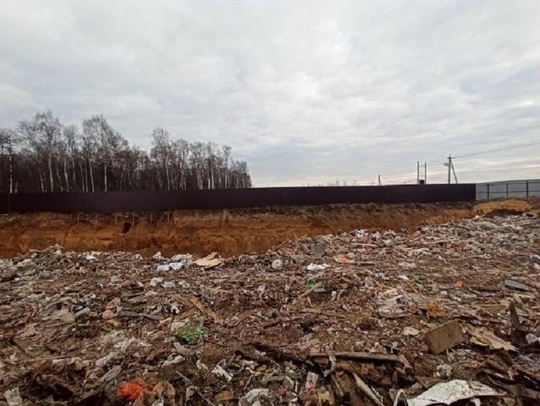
x=445, y=314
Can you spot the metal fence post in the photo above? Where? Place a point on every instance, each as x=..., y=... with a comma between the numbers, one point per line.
x=487, y=192
x=527, y=189
x=506, y=189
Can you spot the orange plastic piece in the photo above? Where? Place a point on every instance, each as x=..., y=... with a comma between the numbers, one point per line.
x=132, y=389
x=434, y=310
x=342, y=259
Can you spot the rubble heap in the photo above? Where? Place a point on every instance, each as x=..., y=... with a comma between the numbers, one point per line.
x=441, y=314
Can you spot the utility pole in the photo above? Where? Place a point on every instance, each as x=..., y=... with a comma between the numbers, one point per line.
x=454, y=172
x=451, y=170
x=449, y=164
x=421, y=177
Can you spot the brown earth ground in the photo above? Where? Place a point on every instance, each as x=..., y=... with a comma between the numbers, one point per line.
x=228, y=232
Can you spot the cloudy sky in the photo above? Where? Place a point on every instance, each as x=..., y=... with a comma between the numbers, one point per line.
x=307, y=92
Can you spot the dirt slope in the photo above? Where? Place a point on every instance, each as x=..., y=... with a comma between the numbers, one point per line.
x=228, y=232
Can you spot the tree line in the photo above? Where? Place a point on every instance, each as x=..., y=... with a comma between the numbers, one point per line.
x=43, y=155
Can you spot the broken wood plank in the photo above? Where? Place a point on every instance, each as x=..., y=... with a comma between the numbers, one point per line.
x=279, y=353
x=280, y=321
x=518, y=332
x=323, y=312
x=236, y=320
x=486, y=338
x=196, y=302
x=341, y=365
x=360, y=356
x=444, y=337
x=23, y=345
x=368, y=391
x=345, y=389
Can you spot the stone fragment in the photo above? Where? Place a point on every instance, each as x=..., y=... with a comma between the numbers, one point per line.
x=277, y=264
x=509, y=283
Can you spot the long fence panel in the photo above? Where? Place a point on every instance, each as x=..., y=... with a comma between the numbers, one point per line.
x=510, y=188
x=152, y=201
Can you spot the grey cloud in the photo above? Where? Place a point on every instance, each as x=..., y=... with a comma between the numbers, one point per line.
x=305, y=91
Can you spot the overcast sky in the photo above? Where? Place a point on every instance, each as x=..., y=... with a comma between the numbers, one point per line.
x=307, y=92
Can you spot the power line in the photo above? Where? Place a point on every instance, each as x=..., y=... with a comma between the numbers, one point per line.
x=498, y=170
x=497, y=150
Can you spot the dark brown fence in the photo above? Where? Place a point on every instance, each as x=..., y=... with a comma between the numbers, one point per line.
x=110, y=202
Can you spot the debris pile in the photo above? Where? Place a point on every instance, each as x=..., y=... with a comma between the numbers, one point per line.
x=438, y=315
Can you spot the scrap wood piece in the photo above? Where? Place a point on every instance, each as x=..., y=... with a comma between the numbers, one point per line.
x=8, y=277
x=528, y=375
x=236, y=320
x=321, y=312
x=318, y=397
x=340, y=365
x=95, y=397
x=518, y=332
x=280, y=320
x=368, y=391
x=427, y=381
x=360, y=356
x=533, y=347
x=56, y=386
x=253, y=356
x=125, y=313
x=224, y=396
x=209, y=312
x=444, y=337
x=279, y=353
x=338, y=387
x=345, y=388
x=192, y=389
x=486, y=338
x=23, y=345
x=519, y=391
x=497, y=366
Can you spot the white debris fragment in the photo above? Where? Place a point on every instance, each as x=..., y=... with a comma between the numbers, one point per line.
x=257, y=397
x=176, y=266
x=317, y=267
x=163, y=268
x=155, y=281
x=446, y=393
x=410, y=331
x=13, y=398
x=407, y=265
x=220, y=371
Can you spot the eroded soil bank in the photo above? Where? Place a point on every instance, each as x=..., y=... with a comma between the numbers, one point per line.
x=227, y=232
